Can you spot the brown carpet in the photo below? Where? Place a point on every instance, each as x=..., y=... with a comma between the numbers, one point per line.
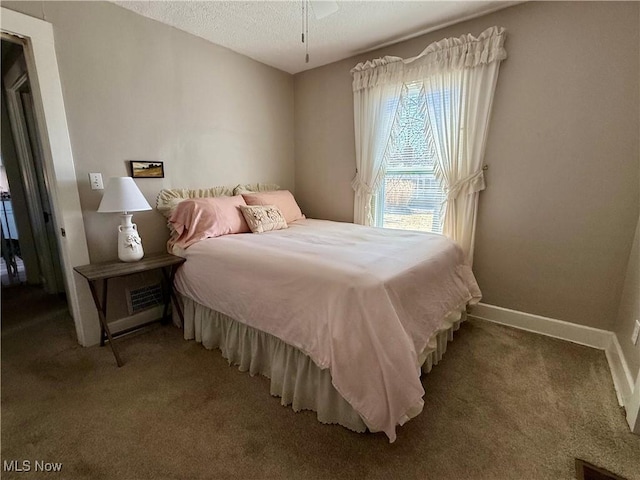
x=503, y=404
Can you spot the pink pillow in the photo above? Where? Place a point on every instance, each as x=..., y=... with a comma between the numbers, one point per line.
x=283, y=199
x=198, y=218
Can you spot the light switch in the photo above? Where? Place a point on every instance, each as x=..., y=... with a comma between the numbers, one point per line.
x=95, y=179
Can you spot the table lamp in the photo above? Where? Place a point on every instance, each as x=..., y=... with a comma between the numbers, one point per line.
x=123, y=195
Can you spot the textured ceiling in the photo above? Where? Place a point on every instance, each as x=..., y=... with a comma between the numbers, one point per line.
x=270, y=31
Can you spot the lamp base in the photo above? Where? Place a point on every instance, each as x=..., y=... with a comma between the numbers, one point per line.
x=129, y=242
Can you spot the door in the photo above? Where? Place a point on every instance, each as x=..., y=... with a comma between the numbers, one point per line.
x=30, y=159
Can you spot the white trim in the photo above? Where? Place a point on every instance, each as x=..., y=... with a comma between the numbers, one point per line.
x=628, y=395
x=622, y=378
x=633, y=408
x=571, y=332
x=42, y=66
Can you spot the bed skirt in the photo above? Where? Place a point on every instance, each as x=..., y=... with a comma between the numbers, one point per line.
x=295, y=378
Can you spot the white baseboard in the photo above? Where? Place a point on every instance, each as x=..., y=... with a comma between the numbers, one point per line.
x=571, y=332
x=633, y=408
x=622, y=378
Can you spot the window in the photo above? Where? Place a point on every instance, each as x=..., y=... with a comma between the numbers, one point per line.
x=410, y=196
x=434, y=140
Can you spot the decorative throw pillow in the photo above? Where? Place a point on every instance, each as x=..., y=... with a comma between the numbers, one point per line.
x=283, y=199
x=198, y=218
x=263, y=218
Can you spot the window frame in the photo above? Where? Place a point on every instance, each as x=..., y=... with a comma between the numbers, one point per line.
x=378, y=199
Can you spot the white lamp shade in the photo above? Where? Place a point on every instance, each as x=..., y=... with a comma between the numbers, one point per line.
x=123, y=195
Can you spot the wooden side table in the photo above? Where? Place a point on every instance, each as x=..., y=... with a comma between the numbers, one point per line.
x=104, y=271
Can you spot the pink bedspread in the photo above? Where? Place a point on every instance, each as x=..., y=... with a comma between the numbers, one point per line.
x=360, y=301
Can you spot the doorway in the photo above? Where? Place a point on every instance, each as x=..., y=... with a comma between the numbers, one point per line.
x=31, y=272
x=42, y=65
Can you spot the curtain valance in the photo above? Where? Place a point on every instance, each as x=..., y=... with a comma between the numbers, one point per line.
x=466, y=51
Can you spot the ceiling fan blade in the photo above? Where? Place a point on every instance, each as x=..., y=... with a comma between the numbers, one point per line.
x=323, y=8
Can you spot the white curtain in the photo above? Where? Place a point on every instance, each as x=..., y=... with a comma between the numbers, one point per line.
x=458, y=77
x=372, y=131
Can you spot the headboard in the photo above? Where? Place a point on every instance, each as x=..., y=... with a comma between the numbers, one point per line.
x=169, y=198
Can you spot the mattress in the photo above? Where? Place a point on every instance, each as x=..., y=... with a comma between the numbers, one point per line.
x=361, y=302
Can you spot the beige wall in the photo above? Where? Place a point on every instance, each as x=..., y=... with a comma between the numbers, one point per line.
x=630, y=308
x=324, y=141
x=629, y=311
x=557, y=220
x=135, y=89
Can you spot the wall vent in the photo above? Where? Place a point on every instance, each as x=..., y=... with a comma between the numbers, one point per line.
x=143, y=298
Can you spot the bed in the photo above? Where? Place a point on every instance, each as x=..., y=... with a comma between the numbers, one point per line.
x=342, y=318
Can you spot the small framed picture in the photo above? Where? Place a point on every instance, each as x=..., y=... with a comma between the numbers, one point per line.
x=140, y=169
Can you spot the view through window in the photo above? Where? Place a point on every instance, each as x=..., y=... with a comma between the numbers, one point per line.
x=410, y=197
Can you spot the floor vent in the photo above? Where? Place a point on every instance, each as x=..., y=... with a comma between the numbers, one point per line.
x=143, y=298
x=587, y=471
